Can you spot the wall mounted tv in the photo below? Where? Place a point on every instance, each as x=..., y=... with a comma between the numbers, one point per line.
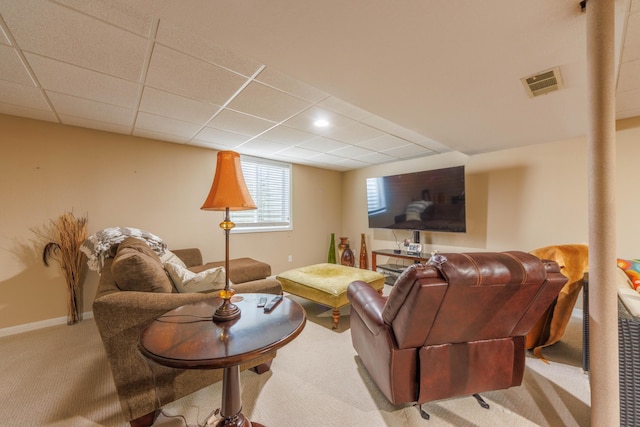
x=432, y=200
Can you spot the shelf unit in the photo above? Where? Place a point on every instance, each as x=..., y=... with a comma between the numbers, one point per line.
x=393, y=270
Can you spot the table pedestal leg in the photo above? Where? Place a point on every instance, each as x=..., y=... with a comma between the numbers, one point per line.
x=231, y=410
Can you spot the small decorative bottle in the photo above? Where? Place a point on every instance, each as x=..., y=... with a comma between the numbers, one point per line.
x=347, y=257
x=364, y=264
x=344, y=241
x=332, y=250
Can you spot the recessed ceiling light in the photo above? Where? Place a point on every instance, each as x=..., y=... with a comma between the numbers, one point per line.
x=321, y=123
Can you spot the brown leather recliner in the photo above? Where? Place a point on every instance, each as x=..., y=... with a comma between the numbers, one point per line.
x=455, y=326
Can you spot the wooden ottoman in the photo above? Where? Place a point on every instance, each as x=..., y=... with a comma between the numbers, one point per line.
x=327, y=284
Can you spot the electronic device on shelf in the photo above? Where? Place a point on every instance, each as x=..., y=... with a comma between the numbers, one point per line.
x=414, y=249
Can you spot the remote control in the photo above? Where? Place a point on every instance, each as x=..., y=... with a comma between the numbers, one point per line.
x=272, y=303
x=262, y=301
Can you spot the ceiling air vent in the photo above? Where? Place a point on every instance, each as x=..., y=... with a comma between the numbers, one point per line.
x=542, y=83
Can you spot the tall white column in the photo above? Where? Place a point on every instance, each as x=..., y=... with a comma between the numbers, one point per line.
x=603, y=306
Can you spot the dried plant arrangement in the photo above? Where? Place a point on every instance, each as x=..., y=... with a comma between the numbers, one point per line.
x=64, y=237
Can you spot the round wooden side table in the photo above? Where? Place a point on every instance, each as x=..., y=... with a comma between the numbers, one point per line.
x=188, y=338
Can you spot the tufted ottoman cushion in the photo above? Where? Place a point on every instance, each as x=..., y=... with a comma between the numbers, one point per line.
x=327, y=284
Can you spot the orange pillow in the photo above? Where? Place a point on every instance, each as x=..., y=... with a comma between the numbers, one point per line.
x=632, y=268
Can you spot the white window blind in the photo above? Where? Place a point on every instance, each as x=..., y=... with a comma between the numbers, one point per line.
x=376, y=202
x=269, y=183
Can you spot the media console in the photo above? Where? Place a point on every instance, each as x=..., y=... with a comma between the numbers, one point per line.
x=393, y=270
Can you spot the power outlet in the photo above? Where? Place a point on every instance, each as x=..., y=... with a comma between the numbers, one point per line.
x=290, y=259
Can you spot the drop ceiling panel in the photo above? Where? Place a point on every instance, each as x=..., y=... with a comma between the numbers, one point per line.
x=209, y=145
x=344, y=108
x=11, y=67
x=72, y=37
x=354, y=133
x=31, y=113
x=634, y=112
x=117, y=12
x=287, y=135
x=145, y=133
x=297, y=152
x=305, y=121
x=377, y=158
x=407, y=151
x=326, y=158
x=627, y=104
x=165, y=125
x=167, y=104
x=268, y=103
x=23, y=96
x=199, y=47
x=261, y=147
x=94, y=124
x=291, y=86
x=234, y=121
x=382, y=124
x=3, y=36
x=631, y=49
x=383, y=142
x=628, y=79
x=87, y=109
x=217, y=136
x=351, y=151
x=423, y=141
x=322, y=144
x=348, y=164
x=178, y=64
x=187, y=76
x=66, y=78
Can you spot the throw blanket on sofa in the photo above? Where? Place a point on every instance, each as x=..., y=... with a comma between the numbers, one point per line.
x=574, y=262
x=98, y=246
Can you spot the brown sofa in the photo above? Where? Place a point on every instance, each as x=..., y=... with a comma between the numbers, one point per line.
x=143, y=387
x=452, y=328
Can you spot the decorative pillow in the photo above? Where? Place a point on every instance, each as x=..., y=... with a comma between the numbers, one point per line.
x=136, y=271
x=138, y=245
x=186, y=280
x=632, y=268
x=172, y=258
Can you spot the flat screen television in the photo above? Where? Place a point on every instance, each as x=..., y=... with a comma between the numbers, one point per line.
x=432, y=200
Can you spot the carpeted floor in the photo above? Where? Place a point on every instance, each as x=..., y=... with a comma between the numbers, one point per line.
x=59, y=376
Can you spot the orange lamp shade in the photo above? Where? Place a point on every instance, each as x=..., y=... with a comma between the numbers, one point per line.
x=229, y=189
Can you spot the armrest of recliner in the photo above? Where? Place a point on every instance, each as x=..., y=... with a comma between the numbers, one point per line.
x=368, y=303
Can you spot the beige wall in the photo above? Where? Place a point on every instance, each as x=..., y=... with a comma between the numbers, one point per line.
x=521, y=198
x=517, y=199
x=47, y=169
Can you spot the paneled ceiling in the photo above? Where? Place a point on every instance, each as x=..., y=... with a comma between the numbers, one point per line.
x=392, y=80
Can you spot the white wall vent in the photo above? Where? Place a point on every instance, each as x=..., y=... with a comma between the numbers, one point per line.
x=543, y=82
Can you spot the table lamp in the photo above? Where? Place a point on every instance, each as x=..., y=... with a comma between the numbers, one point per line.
x=228, y=193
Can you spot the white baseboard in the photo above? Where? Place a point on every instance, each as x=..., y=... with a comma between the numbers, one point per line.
x=12, y=330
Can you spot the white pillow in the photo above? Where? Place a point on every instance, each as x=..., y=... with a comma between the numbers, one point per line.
x=169, y=256
x=188, y=281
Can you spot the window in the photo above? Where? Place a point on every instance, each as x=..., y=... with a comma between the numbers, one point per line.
x=269, y=183
x=376, y=202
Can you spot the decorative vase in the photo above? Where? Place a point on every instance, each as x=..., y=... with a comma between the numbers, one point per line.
x=332, y=250
x=344, y=242
x=73, y=316
x=364, y=264
x=347, y=257
x=64, y=236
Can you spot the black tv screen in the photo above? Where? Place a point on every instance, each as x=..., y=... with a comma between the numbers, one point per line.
x=432, y=200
